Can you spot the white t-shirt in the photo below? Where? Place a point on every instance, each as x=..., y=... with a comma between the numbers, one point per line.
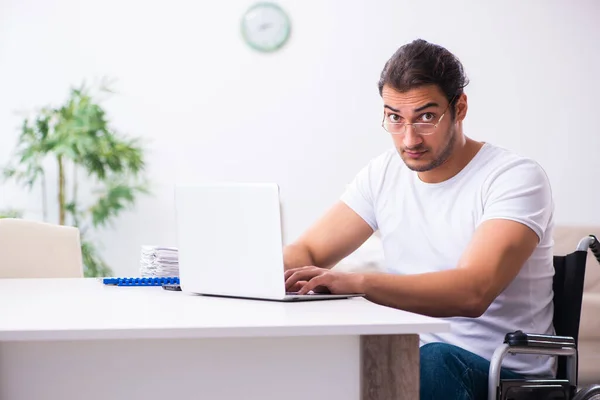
x=426, y=227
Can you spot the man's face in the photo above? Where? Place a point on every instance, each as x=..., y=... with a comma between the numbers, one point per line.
x=424, y=104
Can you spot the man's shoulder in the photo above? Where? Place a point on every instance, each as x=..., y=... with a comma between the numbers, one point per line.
x=513, y=176
x=516, y=187
x=500, y=161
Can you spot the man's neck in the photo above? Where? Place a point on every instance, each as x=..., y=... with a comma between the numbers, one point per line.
x=463, y=153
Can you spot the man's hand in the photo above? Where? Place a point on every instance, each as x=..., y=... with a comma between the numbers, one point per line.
x=319, y=280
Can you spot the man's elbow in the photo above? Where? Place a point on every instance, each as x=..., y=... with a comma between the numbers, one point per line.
x=474, y=311
x=478, y=295
x=476, y=305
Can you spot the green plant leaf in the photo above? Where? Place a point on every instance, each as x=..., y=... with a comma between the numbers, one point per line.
x=94, y=265
x=79, y=132
x=10, y=213
x=116, y=198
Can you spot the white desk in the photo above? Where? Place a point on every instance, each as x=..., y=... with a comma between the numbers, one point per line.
x=78, y=339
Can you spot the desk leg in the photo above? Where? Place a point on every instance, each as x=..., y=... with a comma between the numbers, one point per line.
x=389, y=367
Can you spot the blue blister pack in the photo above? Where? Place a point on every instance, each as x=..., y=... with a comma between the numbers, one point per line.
x=149, y=281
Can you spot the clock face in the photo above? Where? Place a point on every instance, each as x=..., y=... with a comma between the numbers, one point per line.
x=265, y=27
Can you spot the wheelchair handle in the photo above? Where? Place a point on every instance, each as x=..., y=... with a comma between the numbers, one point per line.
x=595, y=247
x=592, y=243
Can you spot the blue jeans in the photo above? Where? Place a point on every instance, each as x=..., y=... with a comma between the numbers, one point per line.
x=452, y=373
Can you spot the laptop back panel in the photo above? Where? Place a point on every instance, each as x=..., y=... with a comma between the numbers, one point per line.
x=229, y=239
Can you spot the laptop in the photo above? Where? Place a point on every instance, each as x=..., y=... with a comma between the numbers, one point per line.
x=230, y=242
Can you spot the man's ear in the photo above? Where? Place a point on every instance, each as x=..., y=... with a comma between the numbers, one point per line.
x=461, y=107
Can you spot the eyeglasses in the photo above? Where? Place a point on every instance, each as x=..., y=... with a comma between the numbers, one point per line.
x=420, y=128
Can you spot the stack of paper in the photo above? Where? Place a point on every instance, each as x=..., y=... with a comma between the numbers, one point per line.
x=159, y=261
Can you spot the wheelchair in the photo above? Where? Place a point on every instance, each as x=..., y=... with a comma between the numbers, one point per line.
x=568, y=293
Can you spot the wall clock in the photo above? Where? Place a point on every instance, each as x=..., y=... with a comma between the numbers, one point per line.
x=265, y=27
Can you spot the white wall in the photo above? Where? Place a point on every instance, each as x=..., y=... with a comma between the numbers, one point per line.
x=307, y=116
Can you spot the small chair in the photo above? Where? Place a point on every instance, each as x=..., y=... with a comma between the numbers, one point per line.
x=31, y=249
x=568, y=292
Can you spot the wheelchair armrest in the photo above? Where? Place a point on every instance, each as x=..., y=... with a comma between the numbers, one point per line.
x=522, y=339
x=519, y=342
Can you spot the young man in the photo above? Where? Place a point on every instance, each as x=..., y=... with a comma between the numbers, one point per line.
x=466, y=228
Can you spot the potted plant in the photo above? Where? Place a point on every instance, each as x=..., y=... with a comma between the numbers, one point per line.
x=92, y=159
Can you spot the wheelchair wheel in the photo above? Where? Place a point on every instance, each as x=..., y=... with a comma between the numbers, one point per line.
x=589, y=393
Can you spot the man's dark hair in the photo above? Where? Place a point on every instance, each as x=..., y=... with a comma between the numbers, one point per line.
x=422, y=63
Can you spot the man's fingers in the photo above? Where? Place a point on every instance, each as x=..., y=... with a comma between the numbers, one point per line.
x=298, y=276
x=301, y=275
x=315, y=282
x=292, y=271
x=297, y=286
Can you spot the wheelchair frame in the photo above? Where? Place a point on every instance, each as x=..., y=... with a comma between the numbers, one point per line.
x=523, y=343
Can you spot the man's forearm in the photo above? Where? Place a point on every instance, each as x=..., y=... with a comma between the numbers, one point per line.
x=296, y=255
x=438, y=294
